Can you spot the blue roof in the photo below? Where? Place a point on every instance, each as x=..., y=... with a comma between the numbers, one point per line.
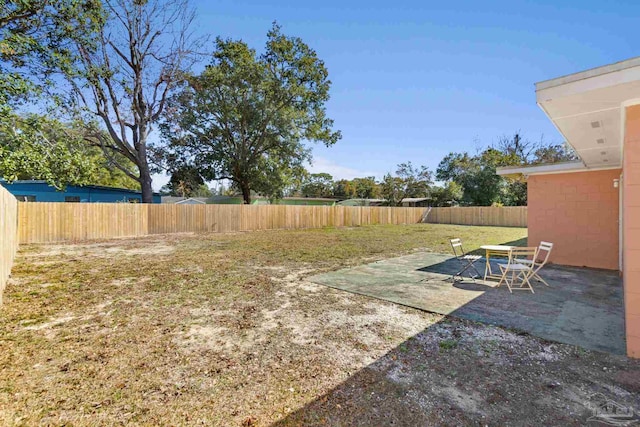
x=97, y=187
x=33, y=190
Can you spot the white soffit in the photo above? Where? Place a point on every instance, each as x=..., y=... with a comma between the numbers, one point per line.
x=587, y=108
x=541, y=169
x=547, y=169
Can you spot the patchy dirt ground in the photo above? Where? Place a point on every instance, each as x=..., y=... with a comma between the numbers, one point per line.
x=225, y=330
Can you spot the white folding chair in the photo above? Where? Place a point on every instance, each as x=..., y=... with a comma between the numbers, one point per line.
x=538, y=262
x=466, y=261
x=516, y=274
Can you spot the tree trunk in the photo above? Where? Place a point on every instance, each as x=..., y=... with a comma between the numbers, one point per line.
x=246, y=193
x=145, y=182
x=143, y=166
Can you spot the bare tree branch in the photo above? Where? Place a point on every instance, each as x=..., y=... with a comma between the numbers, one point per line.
x=141, y=54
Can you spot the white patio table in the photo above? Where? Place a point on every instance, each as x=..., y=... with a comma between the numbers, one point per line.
x=495, y=250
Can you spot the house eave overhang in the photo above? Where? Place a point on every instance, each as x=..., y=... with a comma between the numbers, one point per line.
x=555, y=168
x=587, y=108
x=616, y=67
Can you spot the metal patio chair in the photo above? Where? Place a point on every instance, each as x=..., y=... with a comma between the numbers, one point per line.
x=466, y=261
x=538, y=262
x=515, y=273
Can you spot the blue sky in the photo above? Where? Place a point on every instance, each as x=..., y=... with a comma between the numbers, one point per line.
x=415, y=80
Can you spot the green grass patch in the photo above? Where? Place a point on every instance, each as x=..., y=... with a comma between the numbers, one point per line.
x=448, y=344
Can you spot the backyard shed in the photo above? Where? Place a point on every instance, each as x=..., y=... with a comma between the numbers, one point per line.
x=590, y=209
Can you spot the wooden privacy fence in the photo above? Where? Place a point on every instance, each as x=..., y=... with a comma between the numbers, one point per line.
x=57, y=222
x=8, y=235
x=223, y=218
x=496, y=216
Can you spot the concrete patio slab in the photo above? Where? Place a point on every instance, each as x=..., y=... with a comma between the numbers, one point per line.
x=582, y=307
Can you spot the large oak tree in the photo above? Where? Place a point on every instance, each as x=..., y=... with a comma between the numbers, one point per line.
x=247, y=117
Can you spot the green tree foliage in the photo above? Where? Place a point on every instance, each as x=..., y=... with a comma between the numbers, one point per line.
x=409, y=181
x=276, y=184
x=185, y=181
x=39, y=147
x=37, y=39
x=554, y=153
x=35, y=147
x=293, y=182
x=245, y=118
x=202, y=191
x=391, y=190
x=448, y=195
x=323, y=185
x=514, y=192
x=519, y=151
x=477, y=176
x=366, y=188
x=318, y=185
x=344, y=189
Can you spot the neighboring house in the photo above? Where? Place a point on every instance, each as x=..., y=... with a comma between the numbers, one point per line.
x=409, y=202
x=361, y=202
x=255, y=200
x=258, y=200
x=416, y=202
x=590, y=209
x=185, y=200
x=170, y=199
x=40, y=191
x=306, y=201
x=192, y=201
x=225, y=200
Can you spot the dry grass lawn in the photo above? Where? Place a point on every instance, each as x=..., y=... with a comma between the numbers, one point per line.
x=225, y=330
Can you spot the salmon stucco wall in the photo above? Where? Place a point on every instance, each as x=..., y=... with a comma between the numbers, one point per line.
x=578, y=213
x=631, y=226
